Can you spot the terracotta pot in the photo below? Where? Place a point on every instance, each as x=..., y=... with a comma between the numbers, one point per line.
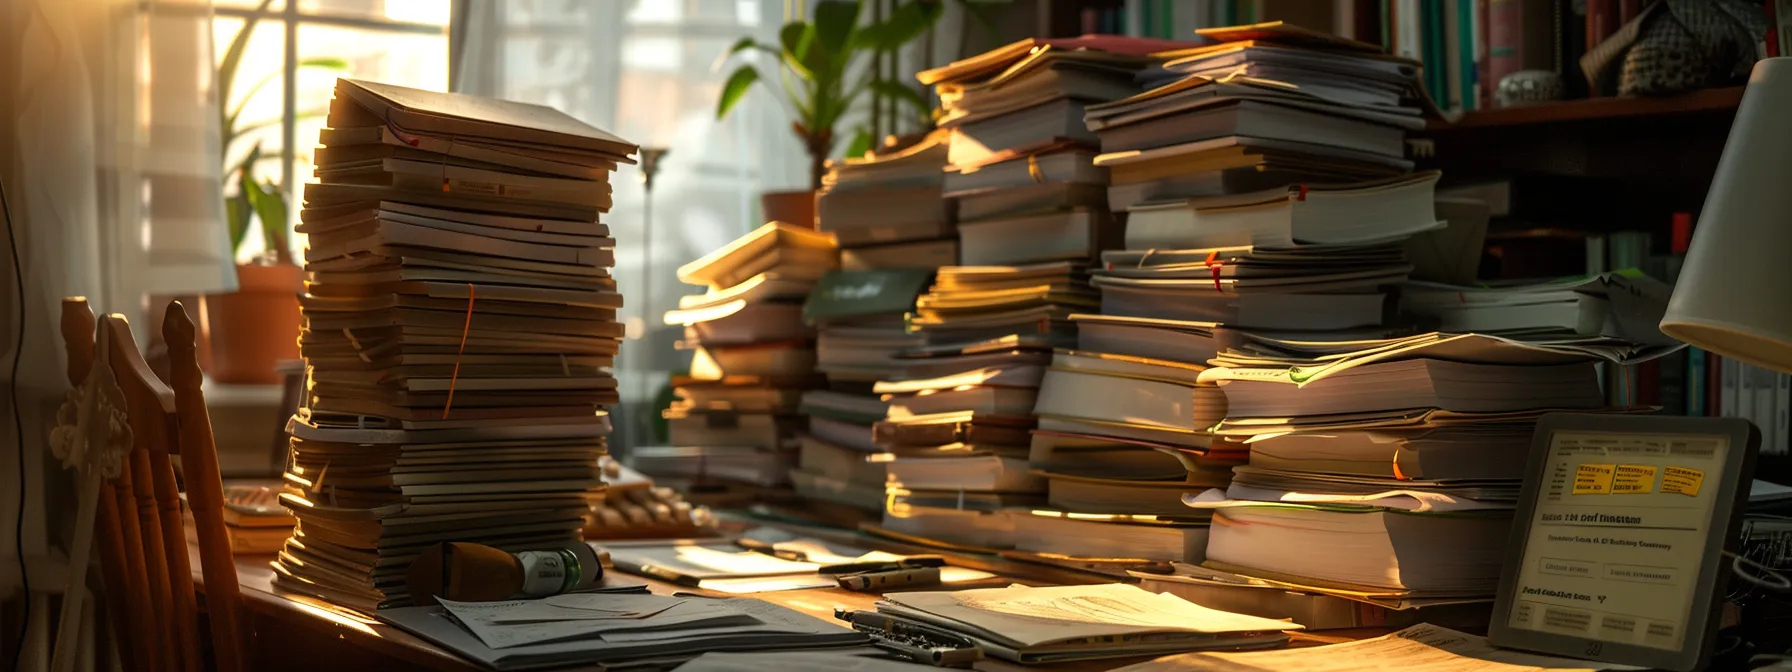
x=257, y=326
x=793, y=207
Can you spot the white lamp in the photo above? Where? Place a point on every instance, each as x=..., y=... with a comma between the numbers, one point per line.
x=1734, y=295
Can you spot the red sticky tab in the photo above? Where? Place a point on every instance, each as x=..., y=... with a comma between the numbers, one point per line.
x=1302, y=195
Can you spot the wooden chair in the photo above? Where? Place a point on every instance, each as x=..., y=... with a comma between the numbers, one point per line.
x=139, y=534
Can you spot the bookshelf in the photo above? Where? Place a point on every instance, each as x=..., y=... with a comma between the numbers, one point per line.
x=1719, y=100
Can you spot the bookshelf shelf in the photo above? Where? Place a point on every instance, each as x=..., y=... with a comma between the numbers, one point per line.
x=1594, y=109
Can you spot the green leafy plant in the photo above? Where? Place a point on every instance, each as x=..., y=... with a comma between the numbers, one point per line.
x=255, y=199
x=815, y=61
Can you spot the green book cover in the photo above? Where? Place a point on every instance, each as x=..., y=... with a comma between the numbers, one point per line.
x=847, y=294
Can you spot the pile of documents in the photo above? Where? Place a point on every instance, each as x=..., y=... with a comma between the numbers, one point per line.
x=459, y=322
x=614, y=630
x=961, y=406
x=862, y=319
x=736, y=418
x=1271, y=104
x=1022, y=169
x=1125, y=419
x=1402, y=455
x=886, y=211
x=1073, y=623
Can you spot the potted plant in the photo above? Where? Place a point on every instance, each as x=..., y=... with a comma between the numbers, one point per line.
x=816, y=62
x=255, y=327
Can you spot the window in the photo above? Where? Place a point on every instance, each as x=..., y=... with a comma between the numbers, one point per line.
x=282, y=87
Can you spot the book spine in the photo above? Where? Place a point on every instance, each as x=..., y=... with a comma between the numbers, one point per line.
x=1453, y=56
x=1367, y=15
x=1627, y=11
x=1697, y=383
x=1407, y=29
x=1344, y=19
x=1602, y=21
x=1505, y=40
x=1571, y=44
x=1670, y=383
x=1468, y=45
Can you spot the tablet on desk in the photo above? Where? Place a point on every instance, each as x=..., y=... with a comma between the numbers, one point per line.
x=1618, y=542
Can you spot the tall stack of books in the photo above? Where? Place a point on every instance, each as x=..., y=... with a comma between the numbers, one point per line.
x=735, y=420
x=862, y=316
x=459, y=322
x=1218, y=248
x=1032, y=215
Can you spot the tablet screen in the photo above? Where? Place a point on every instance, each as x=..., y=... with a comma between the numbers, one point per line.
x=1620, y=530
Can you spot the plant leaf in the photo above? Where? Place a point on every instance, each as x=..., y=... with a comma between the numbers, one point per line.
x=270, y=208
x=906, y=23
x=861, y=143
x=736, y=88
x=896, y=91
x=236, y=218
x=797, y=38
x=325, y=62
x=835, y=21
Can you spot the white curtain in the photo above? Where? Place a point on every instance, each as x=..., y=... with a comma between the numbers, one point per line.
x=646, y=70
x=109, y=157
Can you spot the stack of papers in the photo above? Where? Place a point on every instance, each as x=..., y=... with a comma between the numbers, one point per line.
x=1402, y=455
x=459, y=323
x=1120, y=440
x=1022, y=169
x=990, y=331
x=1070, y=623
x=1619, y=311
x=886, y=208
x=861, y=316
x=1267, y=106
x=1264, y=108
x=736, y=415
x=613, y=629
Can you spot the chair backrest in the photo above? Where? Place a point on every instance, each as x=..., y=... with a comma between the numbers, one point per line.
x=140, y=535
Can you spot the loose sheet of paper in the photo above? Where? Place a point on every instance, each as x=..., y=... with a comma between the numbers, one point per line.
x=1420, y=648
x=485, y=621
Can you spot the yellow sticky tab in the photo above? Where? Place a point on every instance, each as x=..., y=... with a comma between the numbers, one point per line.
x=1682, y=481
x=1634, y=479
x=1593, y=479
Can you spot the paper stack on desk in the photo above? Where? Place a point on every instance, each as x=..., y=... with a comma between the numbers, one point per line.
x=862, y=319
x=736, y=416
x=1270, y=105
x=885, y=208
x=1070, y=623
x=612, y=629
x=1409, y=448
x=459, y=322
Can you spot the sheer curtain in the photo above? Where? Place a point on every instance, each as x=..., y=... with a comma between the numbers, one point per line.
x=643, y=70
x=108, y=153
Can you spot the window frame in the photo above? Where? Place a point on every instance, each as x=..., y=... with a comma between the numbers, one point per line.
x=290, y=18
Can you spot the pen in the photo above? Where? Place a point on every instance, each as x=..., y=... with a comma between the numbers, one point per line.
x=897, y=578
x=655, y=572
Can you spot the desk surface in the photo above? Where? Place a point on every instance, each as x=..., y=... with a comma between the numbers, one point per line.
x=294, y=616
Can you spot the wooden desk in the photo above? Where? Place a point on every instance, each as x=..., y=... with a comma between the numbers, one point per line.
x=291, y=632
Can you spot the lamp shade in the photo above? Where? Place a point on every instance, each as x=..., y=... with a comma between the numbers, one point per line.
x=1734, y=295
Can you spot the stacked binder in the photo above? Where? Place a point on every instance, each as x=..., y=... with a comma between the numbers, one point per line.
x=862, y=321
x=735, y=420
x=459, y=322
